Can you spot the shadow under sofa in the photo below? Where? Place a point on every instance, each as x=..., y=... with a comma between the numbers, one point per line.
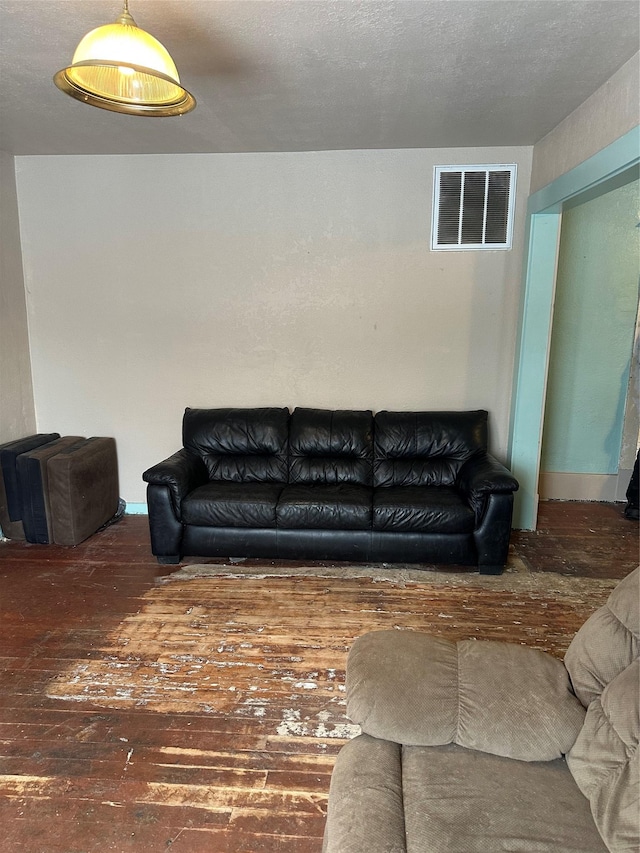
x=316, y=484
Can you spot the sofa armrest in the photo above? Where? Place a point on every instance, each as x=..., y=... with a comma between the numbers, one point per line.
x=604, y=760
x=366, y=810
x=483, y=476
x=181, y=473
x=501, y=698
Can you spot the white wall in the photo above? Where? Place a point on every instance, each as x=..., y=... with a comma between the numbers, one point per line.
x=17, y=414
x=299, y=279
x=612, y=111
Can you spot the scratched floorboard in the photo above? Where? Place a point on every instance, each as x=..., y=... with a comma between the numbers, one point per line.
x=206, y=715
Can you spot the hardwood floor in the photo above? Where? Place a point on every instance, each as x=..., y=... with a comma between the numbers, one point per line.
x=79, y=777
x=581, y=539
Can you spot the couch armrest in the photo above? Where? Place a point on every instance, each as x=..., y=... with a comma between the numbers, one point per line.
x=604, y=760
x=483, y=476
x=366, y=809
x=494, y=697
x=181, y=473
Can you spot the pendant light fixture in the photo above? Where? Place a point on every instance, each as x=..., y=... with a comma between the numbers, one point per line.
x=122, y=68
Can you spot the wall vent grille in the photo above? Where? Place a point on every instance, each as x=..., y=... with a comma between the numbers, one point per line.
x=473, y=207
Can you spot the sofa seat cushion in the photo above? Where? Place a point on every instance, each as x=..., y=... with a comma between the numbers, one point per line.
x=327, y=507
x=461, y=801
x=232, y=505
x=448, y=799
x=421, y=509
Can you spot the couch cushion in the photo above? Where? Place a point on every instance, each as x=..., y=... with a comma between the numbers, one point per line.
x=232, y=505
x=495, y=697
x=605, y=762
x=34, y=487
x=83, y=489
x=331, y=447
x=11, y=503
x=461, y=801
x=341, y=507
x=421, y=509
x=239, y=445
x=426, y=448
x=607, y=642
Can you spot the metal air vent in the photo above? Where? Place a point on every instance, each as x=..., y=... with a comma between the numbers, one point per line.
x=473, y=207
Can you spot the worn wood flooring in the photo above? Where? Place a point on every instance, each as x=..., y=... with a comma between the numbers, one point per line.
x=228, y=752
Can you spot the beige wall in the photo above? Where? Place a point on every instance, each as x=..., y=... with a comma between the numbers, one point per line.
x=17, y=416
x=608, y=114
x=299, y=279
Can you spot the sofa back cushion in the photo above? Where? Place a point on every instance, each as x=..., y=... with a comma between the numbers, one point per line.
x=239, y=445
x=604, y=760
x=607, y=642
x=603, y=664
x=486, y=695
x=426, y=448
x=331, y=447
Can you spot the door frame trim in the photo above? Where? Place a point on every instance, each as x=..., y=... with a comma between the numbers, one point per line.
x=615, y=165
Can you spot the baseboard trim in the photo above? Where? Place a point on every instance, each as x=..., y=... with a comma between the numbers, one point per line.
x=609, y=488
x=137, y=509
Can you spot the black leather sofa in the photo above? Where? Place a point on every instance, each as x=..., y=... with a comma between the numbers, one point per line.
x=414, y=487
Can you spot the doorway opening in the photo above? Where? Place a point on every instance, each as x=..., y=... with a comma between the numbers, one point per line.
x=614, y=166
x=589, y=436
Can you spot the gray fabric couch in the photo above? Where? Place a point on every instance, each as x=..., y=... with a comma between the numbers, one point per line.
x=476, y=747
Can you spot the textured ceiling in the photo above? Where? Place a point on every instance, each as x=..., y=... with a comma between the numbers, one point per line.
x=293, y=75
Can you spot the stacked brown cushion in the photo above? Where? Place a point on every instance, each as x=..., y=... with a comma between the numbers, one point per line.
x=32, y=470
x=10, y=494
x=83, y=489
x=56, y=489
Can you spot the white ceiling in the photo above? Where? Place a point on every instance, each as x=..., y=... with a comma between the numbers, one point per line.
x=295, y=75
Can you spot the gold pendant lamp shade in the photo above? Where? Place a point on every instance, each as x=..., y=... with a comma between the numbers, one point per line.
x=122, y=68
